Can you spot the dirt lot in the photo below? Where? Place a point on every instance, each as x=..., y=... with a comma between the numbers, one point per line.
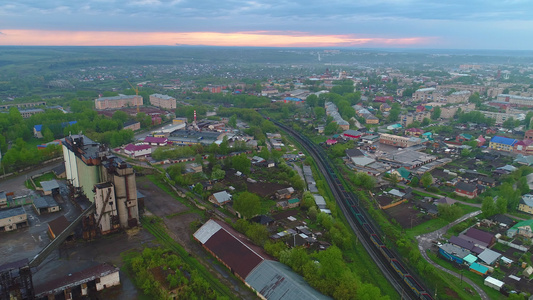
x=406, y=215
x=178, y=218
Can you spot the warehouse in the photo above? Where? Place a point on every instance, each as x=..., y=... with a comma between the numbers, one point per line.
x=14, y=218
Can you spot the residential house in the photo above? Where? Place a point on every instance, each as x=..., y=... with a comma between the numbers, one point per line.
x=526, y=204
x=523, y=147
x=402, y=173
x=263, y=220
x=37, y=131
x=463, y=137
x=385, y=107
x=414, y=132
x=524, y=228
x=466, y=244
x=331, y=142
x=284, y=193
x=220, y=198
x=480, y=238
x=480, y=140
x=524, y=160
x=287, y=204
x=352, y=134
x=486, y=181
x=466, y=190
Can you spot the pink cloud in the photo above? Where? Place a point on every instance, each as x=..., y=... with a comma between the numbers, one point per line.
x=257, y=38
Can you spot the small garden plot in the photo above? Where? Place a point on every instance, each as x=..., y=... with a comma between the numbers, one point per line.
x=406, y=215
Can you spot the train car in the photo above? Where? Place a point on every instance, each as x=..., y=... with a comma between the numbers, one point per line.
x=425, y=296
x=411, y=282
x=368, y=229
x=376, y=240
x=356, y=209
x=387, y=254
x=360, y=219
x=399, y=268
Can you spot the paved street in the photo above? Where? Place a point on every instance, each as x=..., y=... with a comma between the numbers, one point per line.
x=425, y=243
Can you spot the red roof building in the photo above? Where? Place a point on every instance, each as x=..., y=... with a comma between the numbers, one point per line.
x=330, y=142
x=230, y=247
x=138, y=150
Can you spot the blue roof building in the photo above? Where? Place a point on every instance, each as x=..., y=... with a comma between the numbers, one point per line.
x=502, y=143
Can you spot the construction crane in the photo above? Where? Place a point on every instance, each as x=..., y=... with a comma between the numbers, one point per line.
x=136, y=89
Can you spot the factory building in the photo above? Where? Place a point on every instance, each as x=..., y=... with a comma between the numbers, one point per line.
x=104, y=179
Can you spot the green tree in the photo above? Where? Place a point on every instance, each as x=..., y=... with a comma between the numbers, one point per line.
x=48, y=135
x=501, y=205
x=426, y=180
x=312, y=100
x=233, y=121
x=247, y=204
x=241, y=163
x=120, y=116
x=425, y=122
x=218, y=174
x=364, y=180
x=320, y=112
x=198, y=188
x=435, y=114
x=449, y=212
x=414, y=182
x=488, y=207
x=331, y=128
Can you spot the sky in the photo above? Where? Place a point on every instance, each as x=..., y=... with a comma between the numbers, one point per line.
x=442, y=24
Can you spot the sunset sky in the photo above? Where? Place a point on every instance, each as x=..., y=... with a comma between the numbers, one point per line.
x=450, y=24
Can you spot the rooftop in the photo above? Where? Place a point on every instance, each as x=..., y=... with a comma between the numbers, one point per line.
x=12, y=212
x=276, y=281
x=231, y=247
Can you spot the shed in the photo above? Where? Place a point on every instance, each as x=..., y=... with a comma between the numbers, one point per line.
x=479, y=269
x=220, y=198
x=494, y=283
x=45, y=204
x=50, y=187
x=489, y=256
x=470, y=259
x=319, y=201
x=56, y=226
x=528, y=271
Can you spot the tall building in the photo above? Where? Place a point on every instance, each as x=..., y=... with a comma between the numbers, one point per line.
x=163, y=101
x=118, y=102
x=105, y=179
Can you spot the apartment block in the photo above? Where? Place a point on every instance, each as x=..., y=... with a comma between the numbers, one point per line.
x=163, y=101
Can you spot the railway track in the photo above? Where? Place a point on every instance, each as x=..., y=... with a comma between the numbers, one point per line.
x=391, y=267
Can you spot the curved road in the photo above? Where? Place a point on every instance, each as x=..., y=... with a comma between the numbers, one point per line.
x=425, y=243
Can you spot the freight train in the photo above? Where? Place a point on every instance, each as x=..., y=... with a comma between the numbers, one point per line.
x=357, y=214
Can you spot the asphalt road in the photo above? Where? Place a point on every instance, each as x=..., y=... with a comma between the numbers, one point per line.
x=425, y=243
x=16, y=184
